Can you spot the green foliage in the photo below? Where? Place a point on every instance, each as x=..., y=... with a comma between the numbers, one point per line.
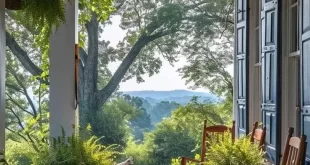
x=178, y=135
x=102, y=8
x=139, y=152
x=73, y=151
x=241, y=152
x=111, y=123
x=92, y=9
x=41, y=12
x=200, y=30
x=162, y=110
x=192, y=115
x=25, y=121
x=178, y=161
x=210, y=51
x=2, y=160
x=19, y=153
x=226, y=152
x=142, y=122
x=170, y=140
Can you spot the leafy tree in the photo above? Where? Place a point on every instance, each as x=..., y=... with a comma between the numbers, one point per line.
x=192, y=115
x=142, y=123
x=26, y=106
x=112, y=122
x=161, y=110
x=146, y=104
x=160, y=26
x=208, y=55
x=169, y=140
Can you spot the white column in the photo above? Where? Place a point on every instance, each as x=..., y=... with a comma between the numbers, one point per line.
x=2, y=75
x=62, y=74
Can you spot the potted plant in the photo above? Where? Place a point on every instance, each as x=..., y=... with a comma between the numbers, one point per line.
x=39, y=12
x=240, y=152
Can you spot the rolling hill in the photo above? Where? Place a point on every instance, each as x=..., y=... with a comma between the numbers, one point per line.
x=179, y=96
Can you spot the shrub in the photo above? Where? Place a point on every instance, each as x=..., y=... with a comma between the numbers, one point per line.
x=225, y=152
x=178, y=161
x=19, y=153
x=2, y=160
x=63, y=151
x=139, y=152
x=75, y=152
x=241, y=152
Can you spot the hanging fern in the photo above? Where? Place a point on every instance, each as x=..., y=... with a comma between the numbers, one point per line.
x=42, y=12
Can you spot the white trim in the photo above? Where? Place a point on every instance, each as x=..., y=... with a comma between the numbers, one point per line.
x=62, y=75
x=2, y=75
x=235, y=80
x=258, y=64
x=294, y=54
x=254, y=63
x=289, y=26
x=292, y=69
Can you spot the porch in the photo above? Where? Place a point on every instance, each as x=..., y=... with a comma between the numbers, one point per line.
x=271, y=73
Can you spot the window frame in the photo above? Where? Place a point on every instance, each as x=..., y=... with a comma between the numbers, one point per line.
x=291, y=7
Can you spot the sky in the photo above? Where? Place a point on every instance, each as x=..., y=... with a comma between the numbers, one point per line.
x=167, y=79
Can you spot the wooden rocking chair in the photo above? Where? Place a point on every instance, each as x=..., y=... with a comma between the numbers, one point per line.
x=258, y=135
x=294, y=152
x=216, y=129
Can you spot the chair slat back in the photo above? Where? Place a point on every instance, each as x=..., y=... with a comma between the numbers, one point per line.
x=258, y=135
x=217, y=131
x=294, y=152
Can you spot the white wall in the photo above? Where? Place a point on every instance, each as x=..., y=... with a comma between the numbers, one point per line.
x=2, y=75
x=62, y=74
x=254, y=66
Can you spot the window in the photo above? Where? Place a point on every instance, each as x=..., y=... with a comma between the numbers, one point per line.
x=293, y=28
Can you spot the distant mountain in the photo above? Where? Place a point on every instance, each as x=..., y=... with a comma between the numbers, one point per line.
x=166, y=94
x=179, y=96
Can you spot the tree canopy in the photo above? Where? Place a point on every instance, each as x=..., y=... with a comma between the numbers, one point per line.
x=157, y=30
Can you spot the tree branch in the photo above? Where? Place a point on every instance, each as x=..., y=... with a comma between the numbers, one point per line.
x=118, y=6
x=22, y=56
x=139, y=18
x=104, y=94
x=27, y=133
x=17, y=134
x=18, y=119
x=25, y=93
x=18, y=105
x=12, y=86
